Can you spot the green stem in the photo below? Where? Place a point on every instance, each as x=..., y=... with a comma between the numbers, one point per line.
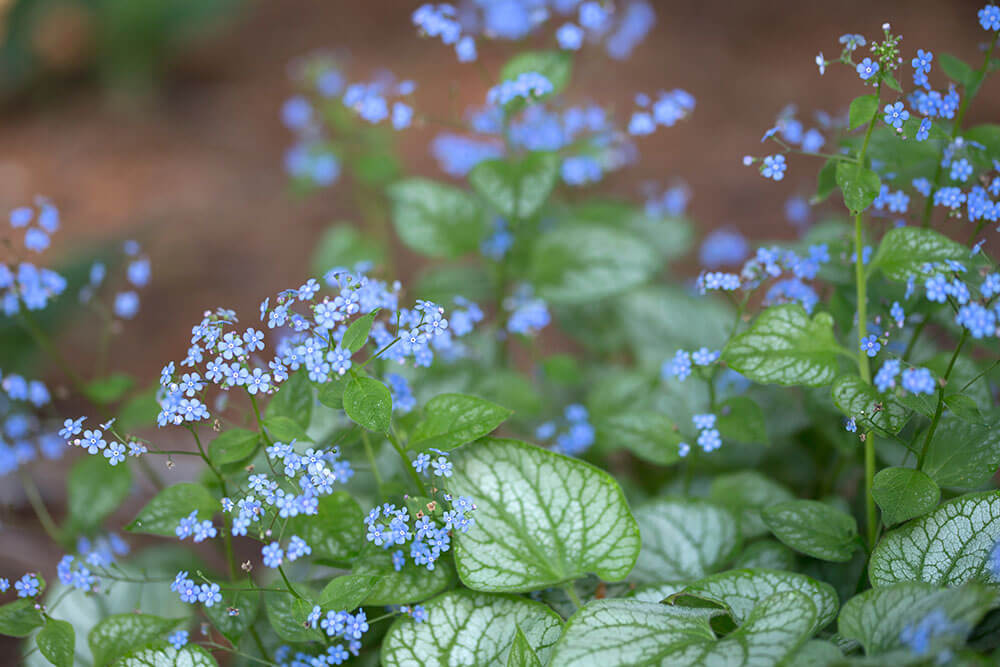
x=940, y=402
x=370, y=453
x=259, y=643
x=40, y=337
x=913, y=339
x=863, y=368
x=226, y=537
x=571, y=594
x=291, y=589
x=407, y=464
x=38, y=505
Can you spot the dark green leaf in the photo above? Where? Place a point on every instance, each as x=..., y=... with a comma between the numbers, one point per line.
x=95, y=490
x=288, y=613
x=162, y=514
x=862, y=110
x=826, y=181
x=813, y=528
x=336, y=531
x=105, y=391
x=285, y=429
x=293, y=400
x=649, y=435
x=860, y=185
x=233, y=445
x=57, y=642
x=347, y=592
x=342, y=245
x=747, y=493
x=904, y=250
x=451, y=420
x=357, y=334
x=368, y=403
x=904, y=493
x=245, y=599
x=331, y=394
x=19, y=618
x=956, y=70
x=962, y=453
x=413, y=583
x=858, y=399
x=742, y=420
x=964, y=408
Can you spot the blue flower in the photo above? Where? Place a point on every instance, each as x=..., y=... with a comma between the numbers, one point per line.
x=569, y=36
x=678, y=367
x=465, y=49
x=960, y=170
x=867, y=68
x=126, y=304
x=918, y=381
x=27, y=586
x=851, y=426
x=870, y=345
x=978, y=320
x=923, y=132
x=774, y=167
x=272, y=555
x=989, y=17
x=895, y=115
x=641, y=123
x=178, y=639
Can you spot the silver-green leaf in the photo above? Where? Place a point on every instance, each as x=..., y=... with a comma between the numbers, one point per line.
x=469, y=628
x=683, y=540
x=947, y=547
x=542, y=518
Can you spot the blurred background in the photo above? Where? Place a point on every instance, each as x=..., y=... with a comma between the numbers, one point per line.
x=159, y=121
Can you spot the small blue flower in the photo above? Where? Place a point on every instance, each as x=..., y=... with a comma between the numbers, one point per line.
x=867, y=68
x=895, y=115
x=178, y=639
x=870, y=345
x=923, y=132
x=851, y=426
x=960, y=170
x=989, y=17
x=27, y=586
x=272, y=555
x=465, y=49
x=570, y=37
x=918, y=381
x=774, y=167
x=297, y=548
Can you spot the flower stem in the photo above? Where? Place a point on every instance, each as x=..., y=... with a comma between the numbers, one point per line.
x=406, y=463
x=940, y=402
x=370, y=453
x=38, y=505
x=571, y=594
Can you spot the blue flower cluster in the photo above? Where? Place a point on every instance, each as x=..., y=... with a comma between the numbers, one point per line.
x=709, y=438
x=77, y=571
x=667, y=110
x=338, y=624
x=209, y=594
x=389, y=526
x=313, y=342
x=527, y=314
x=335, y=654
x=137, y=272
x=620, y=30
x=189, y=526
x=273, y=555
x=526, y=86
x=23, y=284
x=94, y=442
x=915, y=380
x=679, y=366
x=919, y=637
x=573, y=436
x=23, y=435
x=312, y=159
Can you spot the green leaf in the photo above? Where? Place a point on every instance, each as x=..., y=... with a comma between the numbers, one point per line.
x=904, y=250
x=859, y=185
x=964, y=407
x=767, y=555
x=683, y=540
x=413, y=583
x=746, y=493
x=627, y=632
x=331, y=394
x=245, y=599
x=587, y=262
x=162, y=514
x=368, y=403
x=451, y=420
x=649, y=435
x=862, y=110
x=343, y=245
x=107, y=390
x=556, y=66
x=233, y=445
x=877, y=617
x=516, y=189
x=956, y=70
x=19, y=618
x=435, y=219
x=816, y=653
x=521, y=654
x=890, y=81
x=95, y=490
x=357, y=334
x=191, y=655
x=287, y=615
x=57, y=642
x=856, y=398
x=742, y=420
x=741, y=591
x=294, y=399
x=947, y=547
x=784, y=346
x=813, y=528
x=904, y=493
x=336, y=531
x=542, y=519
x=117, y=635
x=346, y=592
x=285, y=429
x=826, y=182
x=139, y=411
x=466, y=627
x=963, y=454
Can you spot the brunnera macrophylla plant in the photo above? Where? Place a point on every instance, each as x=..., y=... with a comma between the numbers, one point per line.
x=789, y=461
